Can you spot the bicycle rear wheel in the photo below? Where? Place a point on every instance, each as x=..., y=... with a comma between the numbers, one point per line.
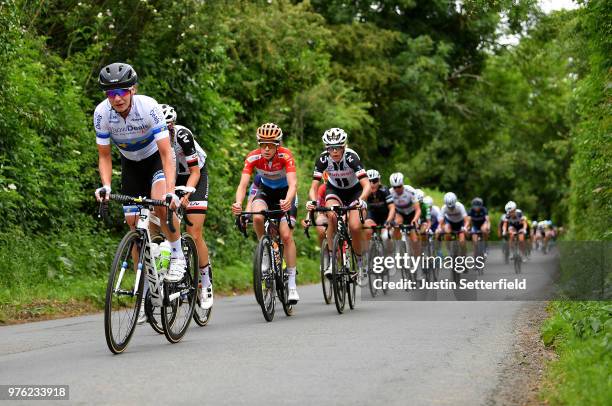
x=338, y=274
x=326, y=283
x=264, y=279
x=124, y=292
x=352, y=273
x=180, y=297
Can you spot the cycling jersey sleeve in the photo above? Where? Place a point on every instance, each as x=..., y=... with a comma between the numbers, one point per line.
x=387, y=196
x=157, y=121
x=320, y=167
x=185, y=140
x=287, y=157
x=250, y=161
x=101, y=125
x=354, y=163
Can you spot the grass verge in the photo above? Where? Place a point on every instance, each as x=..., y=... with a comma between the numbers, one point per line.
x=581, y=334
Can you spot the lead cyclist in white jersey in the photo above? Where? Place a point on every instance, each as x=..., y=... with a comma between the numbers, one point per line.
x=134, y=123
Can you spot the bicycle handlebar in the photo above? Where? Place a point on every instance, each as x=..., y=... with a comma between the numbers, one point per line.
x=266, y=213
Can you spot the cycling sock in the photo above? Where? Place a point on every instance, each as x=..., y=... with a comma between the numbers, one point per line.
x=177, y=250
x=206, y=282
x=291, y=282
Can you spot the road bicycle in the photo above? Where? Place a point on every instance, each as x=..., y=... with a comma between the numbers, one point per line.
x=270, y=278
x=455, y=249
x=344, y=260
x=132, y=262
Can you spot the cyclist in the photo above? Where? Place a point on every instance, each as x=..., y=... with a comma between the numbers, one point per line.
x=407, y=207
x=192, y=172
x=278, y=190
x=425, y=218
x=381, y=210
x=479, y=220
x=436, y=219
x=136, y=125
x=347, y=185
x=515, y=223
x=454, y=217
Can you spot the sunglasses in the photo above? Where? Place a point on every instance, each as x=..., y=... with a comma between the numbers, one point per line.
x=116, y=92
x=267, y=145
x=374, y=181
x=334, y=149
x=398, y=187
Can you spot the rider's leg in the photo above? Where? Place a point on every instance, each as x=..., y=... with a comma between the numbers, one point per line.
x=258, y=219
x=286, y=235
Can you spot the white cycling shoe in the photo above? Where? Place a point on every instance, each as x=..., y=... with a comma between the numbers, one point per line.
x=293, y=297
x=328, y=270
x=206, y=297
x=177, y=270
x=142, y=316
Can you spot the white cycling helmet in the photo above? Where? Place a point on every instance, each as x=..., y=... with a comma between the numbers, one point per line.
x=510, y=206
x=373, y=174
x=169, y=113
x=428, y=200
x=396, y=179
x=419, y=195
x=335, y=137
x=450, y=199
x=534, y=223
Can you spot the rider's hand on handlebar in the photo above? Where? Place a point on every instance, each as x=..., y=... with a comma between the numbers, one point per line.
x=107, y=191
x=311, y=204
x=185, y=200
x=236, y=208
x=285, y=204
x=305, y=223
x=174, y=201
x=359, y=203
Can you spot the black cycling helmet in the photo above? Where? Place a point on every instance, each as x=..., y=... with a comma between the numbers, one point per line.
x=117, y=76
x=477, y=202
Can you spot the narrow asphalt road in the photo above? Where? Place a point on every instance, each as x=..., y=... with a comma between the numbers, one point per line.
x=383, y=352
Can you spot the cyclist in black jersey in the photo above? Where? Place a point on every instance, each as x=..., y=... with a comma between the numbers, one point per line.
x=381, y=210
x=347, y=185
x=192, y=172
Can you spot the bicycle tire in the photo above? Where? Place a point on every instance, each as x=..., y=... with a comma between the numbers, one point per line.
x=176, y=326
x=121, y=265
x=351, y=278
x=265, y=282
x=326, y=284
x=338, y=279
x=404, y=272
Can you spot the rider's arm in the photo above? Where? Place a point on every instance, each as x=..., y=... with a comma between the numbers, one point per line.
x=185, y=140
x=466, y=222
x=391, y=215
x=105, y=164
x=417, y=213
x=292, y=182
x=167, y=158
x=242, y=187
x=365, y=188
x=314, y=186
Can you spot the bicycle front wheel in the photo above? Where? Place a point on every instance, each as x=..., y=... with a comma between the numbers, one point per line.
x=124, y=292
x=352, y=273
x=264, y=279
x=339, y=282
x=376, y=250
x=180, y=297
x=326, y=283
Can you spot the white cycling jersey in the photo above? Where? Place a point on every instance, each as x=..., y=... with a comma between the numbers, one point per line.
x=404, y=202
x=136, y=136
x=435, y=213
x=454, y=215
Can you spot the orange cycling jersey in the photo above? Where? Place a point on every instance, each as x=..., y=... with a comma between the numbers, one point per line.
x=273, y=172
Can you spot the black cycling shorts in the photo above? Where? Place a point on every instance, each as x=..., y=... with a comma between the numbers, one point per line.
x=198, y=200
x=378, y=217
x=344, y=196
x=406, y=218
x=272, y=197
x=455, y=226
x=137, y=177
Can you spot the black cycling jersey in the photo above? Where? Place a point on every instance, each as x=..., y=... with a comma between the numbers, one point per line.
x=342, y=175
